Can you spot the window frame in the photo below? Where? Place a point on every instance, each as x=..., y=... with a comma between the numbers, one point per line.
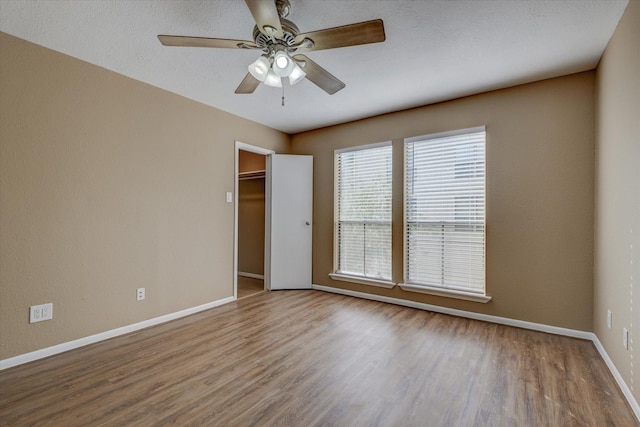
x=336, y=274
x=433, y=289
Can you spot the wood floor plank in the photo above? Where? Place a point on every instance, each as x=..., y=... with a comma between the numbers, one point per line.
x=248, y=286
x=309, y=358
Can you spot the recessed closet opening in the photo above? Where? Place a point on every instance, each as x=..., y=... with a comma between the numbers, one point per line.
x=251, y=203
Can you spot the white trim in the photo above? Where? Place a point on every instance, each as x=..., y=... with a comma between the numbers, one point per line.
x=616, y=374
x=251, y=275
x=253, y=148
x=91, y=339
x=462, y=313
x=267, y=223
x=362, y=280
x=443, y=292
x=258, y=150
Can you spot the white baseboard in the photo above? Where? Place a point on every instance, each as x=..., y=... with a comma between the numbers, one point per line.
x=251, y=275
x=461, y=313
x=81, y=342
x=503, y=321
x=616, y=374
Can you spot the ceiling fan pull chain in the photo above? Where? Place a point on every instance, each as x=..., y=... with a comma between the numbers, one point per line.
x=283, y=94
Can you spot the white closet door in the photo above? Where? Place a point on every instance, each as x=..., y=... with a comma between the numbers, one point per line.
x=289, y=221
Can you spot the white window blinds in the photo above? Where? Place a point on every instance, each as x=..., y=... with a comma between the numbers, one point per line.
x=445, y=210
x=363, y=211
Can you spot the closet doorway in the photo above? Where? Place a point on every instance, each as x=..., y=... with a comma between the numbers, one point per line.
x=251, y=219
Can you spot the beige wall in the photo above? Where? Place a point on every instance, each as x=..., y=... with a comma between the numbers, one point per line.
x=108, y=184
x=540, y=162
x=617, y=217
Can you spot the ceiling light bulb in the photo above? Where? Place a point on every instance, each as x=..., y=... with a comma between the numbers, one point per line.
x=259, y=68
x=296, y=74
x=282, y=64
x=282, y=61
x=273, y=80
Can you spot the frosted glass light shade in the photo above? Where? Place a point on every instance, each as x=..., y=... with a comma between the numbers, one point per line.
x=296, y=74
x=282, y=64
x=273, y=80
x=259, y=68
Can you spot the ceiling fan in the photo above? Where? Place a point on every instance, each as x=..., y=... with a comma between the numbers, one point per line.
x=279, y=39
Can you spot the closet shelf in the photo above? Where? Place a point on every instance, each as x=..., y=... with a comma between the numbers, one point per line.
x=251, y=175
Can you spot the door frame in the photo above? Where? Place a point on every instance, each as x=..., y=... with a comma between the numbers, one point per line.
x=236, y=185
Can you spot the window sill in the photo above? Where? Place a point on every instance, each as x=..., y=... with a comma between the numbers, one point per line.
x=449, y=293
x=362, y=280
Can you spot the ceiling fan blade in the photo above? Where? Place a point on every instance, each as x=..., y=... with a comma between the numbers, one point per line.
x=248, y=84
x=205, y=42
x=347, y=35
x=319, y=76
x=266, y=15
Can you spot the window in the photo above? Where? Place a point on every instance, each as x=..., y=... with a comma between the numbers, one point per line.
x=445, y=211
x=363, y=212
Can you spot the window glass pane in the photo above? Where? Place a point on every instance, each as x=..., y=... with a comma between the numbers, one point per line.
x=363, y=223
x=351, y=248
x=445, y=211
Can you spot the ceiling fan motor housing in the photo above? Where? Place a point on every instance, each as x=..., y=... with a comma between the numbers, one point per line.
x=289, y=29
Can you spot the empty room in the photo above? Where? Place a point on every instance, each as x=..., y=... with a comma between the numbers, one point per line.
x=319, y=213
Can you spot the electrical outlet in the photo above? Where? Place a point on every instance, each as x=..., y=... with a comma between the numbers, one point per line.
x=625, y=338
x=139, y=294
x=609, y=319
x=39, y=313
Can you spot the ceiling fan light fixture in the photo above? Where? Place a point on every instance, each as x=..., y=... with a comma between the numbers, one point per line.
x=260, y=68
x=296, y=74
x=278, y=39
x=282, y=64
x=273, y=79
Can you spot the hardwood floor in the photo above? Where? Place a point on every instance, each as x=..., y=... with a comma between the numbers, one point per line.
x=248, y=286
x=309, y=358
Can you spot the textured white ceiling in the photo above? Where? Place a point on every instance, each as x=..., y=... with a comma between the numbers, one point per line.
x=435, y=50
